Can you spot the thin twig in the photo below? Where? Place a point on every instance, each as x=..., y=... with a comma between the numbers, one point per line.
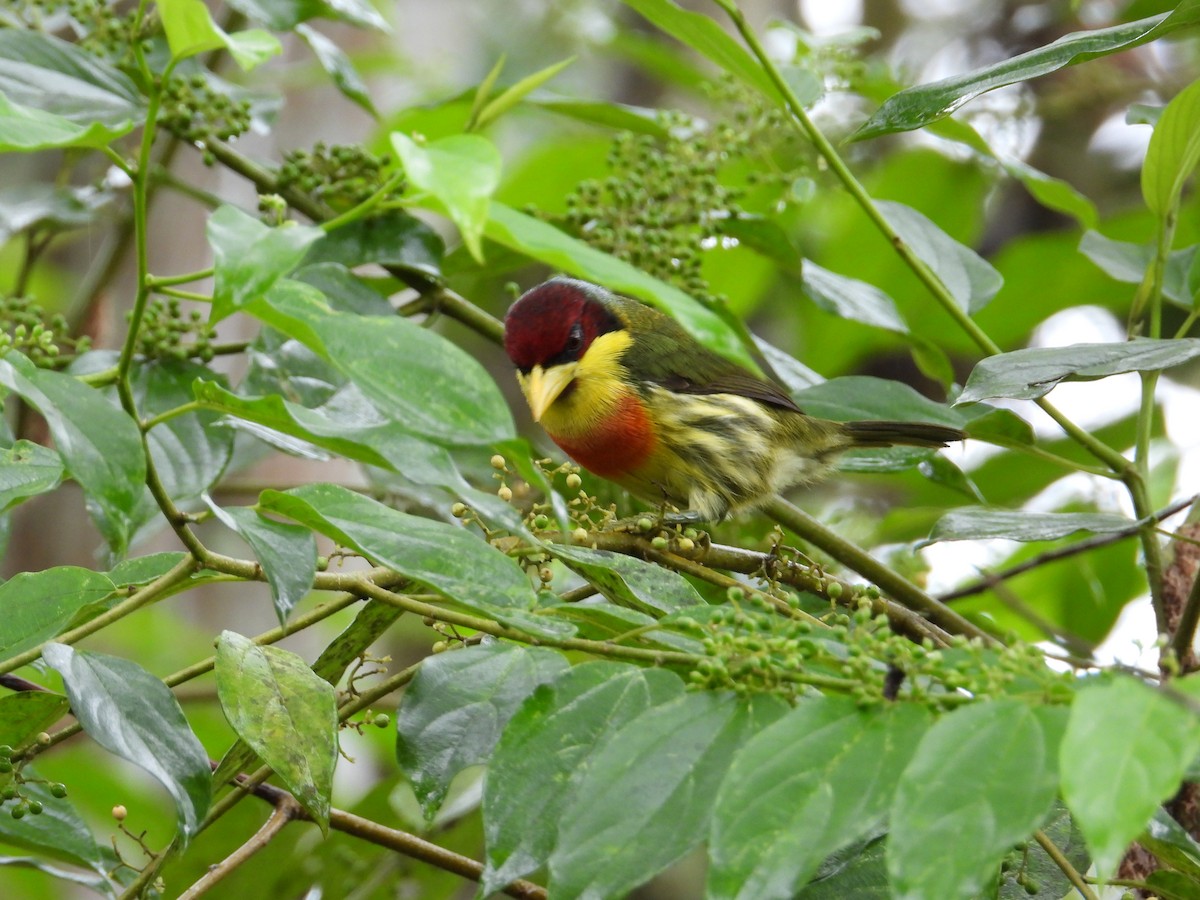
x=286, y=810
x=1064, y=864
x=1092, y=543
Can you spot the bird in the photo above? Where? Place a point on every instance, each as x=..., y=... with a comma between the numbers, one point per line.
x=631, y=396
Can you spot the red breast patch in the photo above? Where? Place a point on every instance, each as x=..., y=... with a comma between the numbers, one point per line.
x=618, y=444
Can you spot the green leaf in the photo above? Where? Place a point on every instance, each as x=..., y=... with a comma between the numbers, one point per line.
x=37, y=205
x=974, y=523
x=285, y=15
x=190, y=30
x=250, y=257
x=25, y=713
x=129, y=712
x=460, y=172
x=43, y=74
x=854, y=397
x=24, y=129
x=143, y=569
x=617, y=116
x=819, y=778
x=190, y=453
x=542, y=241
x=628, y=581
x=1128, y=263
x=1125, y=751
x=1034, y=371
x=100, y=444
x=337, y=66
x=969, y=278
x=343, y=290
x=1039, y=867
x=859, y=872
x=59, y=832
x=440, y=392
x=766, y=236
x=544, y=746
x=39, y=605
x=710, y=40
x=287, y=554
x=394, y=239
x=983, y=778
x=645, y=796
x=1168, y=885
x=513, y=95
x=285, y=713
x=1173, y=152
x=445, y=557
x=1171, y=843
x=919, y=106
x=93, y=881
x=1053, y=193
x=456, y=708
x=26, y=470
x=851, y=299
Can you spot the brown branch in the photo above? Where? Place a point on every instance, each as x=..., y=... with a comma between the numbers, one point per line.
x=286, y=810
x=402, y=842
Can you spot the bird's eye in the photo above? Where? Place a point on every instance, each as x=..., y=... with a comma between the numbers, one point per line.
x=574, y=339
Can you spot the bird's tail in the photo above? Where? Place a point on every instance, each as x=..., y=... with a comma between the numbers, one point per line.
x=916, y=434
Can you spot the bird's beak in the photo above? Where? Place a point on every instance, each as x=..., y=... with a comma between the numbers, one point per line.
x=541, y=387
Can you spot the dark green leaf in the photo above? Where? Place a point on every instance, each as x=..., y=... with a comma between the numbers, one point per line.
x=25, y=713
x=859, y=872
x=980, y=523
x=460, y=172
x=439, y=392
x=918, y=106
x=393, y=239
x=39, y=605
x=1033, y=372
x=710, y=40
x=287, y=554
x=983, y=778
x=542, y=241
x=101, y=446
x=457, y=706
x=1171, y=843
x=1039, y=867
x=26, y=470
x=144, y=569
x=600, y=620
x=766, y=236
x=851, y=299
x=343, y=290
x=1125, y=752
x=1167, y=885
x=129, y=712
x=855, y=397
x=1053, y=193
x=285, y=712
x=46, y=75
x=544, y=746
x=445, y=557
x=338, y=66
x=644, y=798
x=819, y=778
x=627, y=581
x=249, y=257
x=59, y=832
x=1173, y=152
x=969, y=278
x=189, y=453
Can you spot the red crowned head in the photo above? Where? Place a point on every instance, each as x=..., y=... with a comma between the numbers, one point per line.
x=556, y=322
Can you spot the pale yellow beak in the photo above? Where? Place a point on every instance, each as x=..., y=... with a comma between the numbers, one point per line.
x=541, y=387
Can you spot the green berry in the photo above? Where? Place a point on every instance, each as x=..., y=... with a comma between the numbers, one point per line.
x=58, y=789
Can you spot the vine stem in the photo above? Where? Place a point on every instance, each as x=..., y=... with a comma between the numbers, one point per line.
x=286, y=810
x=1064, y=864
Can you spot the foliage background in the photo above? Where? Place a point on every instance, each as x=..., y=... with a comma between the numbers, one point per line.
x=422, y=76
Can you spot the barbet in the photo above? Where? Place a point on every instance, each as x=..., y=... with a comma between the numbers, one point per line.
x=632, y=397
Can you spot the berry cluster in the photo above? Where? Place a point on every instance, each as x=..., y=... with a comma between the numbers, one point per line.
x=341, y=176
x=193, y=110
x=749, y=648
x=165, y=330
x=12, y=790
x=25, y=326
x=666, y=199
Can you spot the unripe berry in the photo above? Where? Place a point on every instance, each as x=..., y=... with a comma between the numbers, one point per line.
x=119, y=812
x=574, y=481
x=498, y=462
x=505, y=493
x=579, y=536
